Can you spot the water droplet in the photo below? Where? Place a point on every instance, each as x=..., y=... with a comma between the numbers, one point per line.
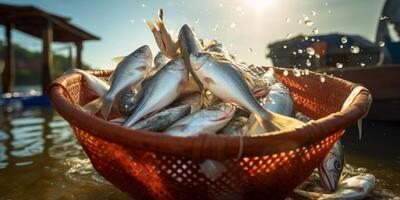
x=309, y=22
x=315, y=31
x=306, y=72
x=326, y=3
x=317, y=55
x=233, y=25
x=322, y=79
x=339, y=65
x=362, y=64
x=294, y=53
x=284, y=46
x=196, y=20
x=132, y=21
x=300, y=50
x=312, y=39
x=220, y=5
x=383, y=18
x=308, y=62
x=381, y=43
x=343, y=40
x=250, y=50
x=239, y=8
x=310, y=51
x=354, y=49
x=296, y=72
x=313, y=13
x=341, y=46
x=300, y=21
x=285, y=73
x=305, y=38
x=329, y=11
x=216, y=27
x=306, y=17
x=289, y=35
x=287, y=19
x=143, y=5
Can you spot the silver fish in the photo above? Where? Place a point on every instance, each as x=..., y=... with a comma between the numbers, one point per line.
x=160, y=60
x=189, y=43
x=162, y=120
x=98, y=86
x=356, y=187
x=128, y=101
x=223, y=80
x=209, y=121
x=278, y=100
x=129, y=72
x=300, y=116
x=237, y=126
x=331, y=168
x=193, y=100
x=164, y=39
x=159, y=91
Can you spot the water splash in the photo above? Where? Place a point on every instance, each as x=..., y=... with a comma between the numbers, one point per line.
x=343, y=40
x=310, y=51
x=313, y=13
x=285, y=73
x=339, y=65
x=354, y=49
x=315, y=31
x=308, y=22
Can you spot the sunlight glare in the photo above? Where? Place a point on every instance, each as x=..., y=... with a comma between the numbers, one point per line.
x=259, y=5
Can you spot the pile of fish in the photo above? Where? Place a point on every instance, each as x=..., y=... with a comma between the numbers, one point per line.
x=195, y=86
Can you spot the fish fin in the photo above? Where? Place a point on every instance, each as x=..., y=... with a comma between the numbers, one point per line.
x=142, y=68
x=209, y=80
x=150, y=25
x=180, y=127
x=161, y=14
x=359, y=125
x=181, y=86
x=119, y=120
x=118, y=59
x=93, y=106
x=212, y=169
x=310, y=195
x=107, y=105
x=277, y=122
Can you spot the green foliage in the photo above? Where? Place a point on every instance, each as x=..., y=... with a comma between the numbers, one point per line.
x=28, y=65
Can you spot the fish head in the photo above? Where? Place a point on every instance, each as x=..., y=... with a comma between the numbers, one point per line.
x=186, y=32
x=331, y=167
x=198, y=59
x=219, y=113
x=143, y=52
x=177, y=65
x=160, y=60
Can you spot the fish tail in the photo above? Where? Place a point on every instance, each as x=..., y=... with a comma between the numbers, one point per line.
x=271, y=121
x=150, y=25
x=107, y=103
x=212, y=169
x=310, y=195
x=93, y=106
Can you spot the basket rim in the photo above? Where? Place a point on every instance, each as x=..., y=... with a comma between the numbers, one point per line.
x=212, y=146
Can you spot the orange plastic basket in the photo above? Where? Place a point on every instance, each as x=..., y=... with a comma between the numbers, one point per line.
x=150, y=165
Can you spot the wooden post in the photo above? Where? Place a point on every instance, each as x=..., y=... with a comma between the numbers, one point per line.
x=8, y=75
x=78, y=54
x=47, y=56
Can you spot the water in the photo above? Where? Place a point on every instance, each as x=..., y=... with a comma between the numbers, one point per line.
x=41, y=159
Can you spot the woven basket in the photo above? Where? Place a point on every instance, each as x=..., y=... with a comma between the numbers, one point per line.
x=150, y=165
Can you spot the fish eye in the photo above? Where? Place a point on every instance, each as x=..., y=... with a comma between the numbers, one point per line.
x=337, y=165
x=197, y=54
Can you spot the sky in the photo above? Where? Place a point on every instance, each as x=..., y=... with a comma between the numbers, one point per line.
x=245, y=27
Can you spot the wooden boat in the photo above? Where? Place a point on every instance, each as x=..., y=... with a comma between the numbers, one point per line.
x=384, y=84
